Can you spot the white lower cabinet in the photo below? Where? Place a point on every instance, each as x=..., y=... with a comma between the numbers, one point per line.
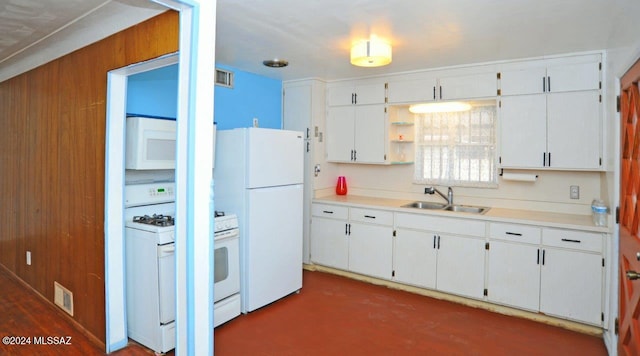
x=353, y=239
x=427, y=254
x=554, y=271
x=329, y=243
x=370, y=249
x=415, y=258
x=571, y=285
x=514, y=275
x=461, y=266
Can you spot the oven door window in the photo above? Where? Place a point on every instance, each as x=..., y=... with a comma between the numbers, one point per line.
x=221, y=259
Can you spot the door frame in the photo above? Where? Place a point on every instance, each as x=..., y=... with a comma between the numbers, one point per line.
x=194, y=186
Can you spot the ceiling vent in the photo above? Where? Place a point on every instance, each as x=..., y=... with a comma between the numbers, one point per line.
x=224, y=78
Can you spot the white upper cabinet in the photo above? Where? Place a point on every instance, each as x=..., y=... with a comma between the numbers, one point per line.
x=523, y=81
x=357, y=134
x=550, y=114
x=552, y=76
x=470, y=86
x=411, y=91
x=356, y=95
x=573, y=77
x=357, y=124
x=473, y=86
x=573, y=130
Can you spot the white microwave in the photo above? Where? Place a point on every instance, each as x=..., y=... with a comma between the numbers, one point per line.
x=151, y=143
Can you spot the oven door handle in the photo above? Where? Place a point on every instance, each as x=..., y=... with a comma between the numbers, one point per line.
x=229, y=234
x=166, y=250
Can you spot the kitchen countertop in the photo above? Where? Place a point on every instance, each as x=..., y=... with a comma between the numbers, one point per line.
x=548, y=219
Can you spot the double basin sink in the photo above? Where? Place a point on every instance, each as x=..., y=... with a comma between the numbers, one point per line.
x=445, y=207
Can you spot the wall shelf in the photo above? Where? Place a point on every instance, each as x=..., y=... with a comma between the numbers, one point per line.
x=401, y=135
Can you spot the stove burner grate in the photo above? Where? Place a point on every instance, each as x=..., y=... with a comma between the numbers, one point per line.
x=155, y=219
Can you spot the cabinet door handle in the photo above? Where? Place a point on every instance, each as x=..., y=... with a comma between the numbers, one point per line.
x=355, y=155
x=544, y=85
x=438, y=242
x=434, y=242
x=350, y=232
x=355, y=98
x=549, y=84
x=369, y=216
x=538, y=260
x=513, y=233
x=441, y=92
x=346, y=229
x=434, y=92
x=543, y=253
x=544, y=159
x=352, y=155
x=327, y=211
x=570, y=240
x=308, y=146
x=549, y=159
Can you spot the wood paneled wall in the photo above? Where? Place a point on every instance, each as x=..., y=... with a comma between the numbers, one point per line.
x=52, y=150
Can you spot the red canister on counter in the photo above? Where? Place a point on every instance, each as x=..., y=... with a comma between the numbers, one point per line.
x=341, y=186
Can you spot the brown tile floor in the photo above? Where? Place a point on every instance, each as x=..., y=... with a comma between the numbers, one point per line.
x=334, y=315
x=331, y=315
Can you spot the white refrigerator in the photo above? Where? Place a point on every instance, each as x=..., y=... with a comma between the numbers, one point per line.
x=259, y=176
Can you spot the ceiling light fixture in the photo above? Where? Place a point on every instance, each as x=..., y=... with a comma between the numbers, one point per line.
x=451, y=106
x=275, y=63
x=371, y=53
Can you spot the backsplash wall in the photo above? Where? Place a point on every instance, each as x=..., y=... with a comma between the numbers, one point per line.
x=549, y=193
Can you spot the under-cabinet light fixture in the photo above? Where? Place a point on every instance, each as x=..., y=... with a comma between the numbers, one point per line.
x=450, y=106
x=371, y=53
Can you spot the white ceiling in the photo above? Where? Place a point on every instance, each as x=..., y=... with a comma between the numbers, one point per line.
x=315, y=35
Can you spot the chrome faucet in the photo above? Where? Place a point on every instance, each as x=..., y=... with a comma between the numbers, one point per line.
x=448, y=197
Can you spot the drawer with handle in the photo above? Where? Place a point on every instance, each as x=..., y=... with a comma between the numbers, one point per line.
x=579, y=240
x=371, y=216
x=330, y=211
x=515, y=233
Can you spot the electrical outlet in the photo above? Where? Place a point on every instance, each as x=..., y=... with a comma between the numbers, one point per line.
x=28, y=258
x=574, y=192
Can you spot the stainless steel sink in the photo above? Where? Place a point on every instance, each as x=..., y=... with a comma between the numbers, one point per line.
x=454, y=208
x=425, y=205
x=466, y=209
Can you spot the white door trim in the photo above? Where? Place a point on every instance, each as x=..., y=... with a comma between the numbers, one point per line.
x=194, y=203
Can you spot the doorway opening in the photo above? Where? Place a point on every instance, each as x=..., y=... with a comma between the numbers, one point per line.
x=115, y=298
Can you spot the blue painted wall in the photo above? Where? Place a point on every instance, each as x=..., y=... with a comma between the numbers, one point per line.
x=154, y=93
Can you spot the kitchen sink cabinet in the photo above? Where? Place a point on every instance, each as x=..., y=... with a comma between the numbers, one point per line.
x=415, y=258
x=461, y=265
x=428, y=253
x=451, y=87
x=554, y=271
x=357, y=134
x=550, y=115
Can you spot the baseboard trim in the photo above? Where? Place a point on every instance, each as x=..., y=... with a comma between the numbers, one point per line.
x=92, y=338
